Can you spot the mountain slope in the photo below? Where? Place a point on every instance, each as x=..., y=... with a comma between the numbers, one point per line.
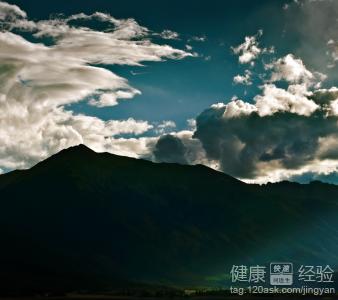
x=82, y=220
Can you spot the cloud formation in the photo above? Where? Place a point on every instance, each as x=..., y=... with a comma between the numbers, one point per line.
x=279, y=136
x=243, y=79
x=170, y=149
x=169, y=35
x=293, y=70
x=9, y=12
x=287, y=131
x=250, y=50
x=165, y=126
x=294, y=99
x=39, y=81
x=179, y=147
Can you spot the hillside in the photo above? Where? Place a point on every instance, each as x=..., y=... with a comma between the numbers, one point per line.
x=83, y=220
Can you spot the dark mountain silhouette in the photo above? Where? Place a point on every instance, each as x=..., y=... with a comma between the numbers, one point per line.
x=84, y=221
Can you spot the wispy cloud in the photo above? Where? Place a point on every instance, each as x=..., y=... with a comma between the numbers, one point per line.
x=39, y=81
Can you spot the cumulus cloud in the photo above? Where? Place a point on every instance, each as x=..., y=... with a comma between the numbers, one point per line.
x=286, y=131
x=290, y=69
x=249, y=50
x=293, y=100
x=180, y=147
x=235, y=108
x=293, y=70
x=279, y=136
x=39, y=82
x=170, y=149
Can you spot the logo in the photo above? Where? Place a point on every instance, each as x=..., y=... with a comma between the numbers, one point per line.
x=281, y=273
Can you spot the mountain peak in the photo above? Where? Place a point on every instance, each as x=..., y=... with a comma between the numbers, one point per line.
x=80, y=148
x=66, y=157
x=77, y=150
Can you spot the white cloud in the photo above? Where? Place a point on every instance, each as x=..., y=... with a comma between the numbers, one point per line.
x=169, y=35
x=334, y=107
x=293, y=71
x=276, y=172
x=191, y=124
x=333, y=52
x=111, y=99
x=165, y=126
x=272, y=100
x=9, y=11
x=39, y=81
x=293, y=100
x=132, y=147
x=249, y=50
x=243, y=79
x=290, y=69
x=202, y=38
x=130, y=125
x=235, y=108
x=286, y=6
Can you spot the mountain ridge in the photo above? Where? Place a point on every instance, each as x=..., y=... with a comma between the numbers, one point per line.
x=82, y=220
x=85, y=150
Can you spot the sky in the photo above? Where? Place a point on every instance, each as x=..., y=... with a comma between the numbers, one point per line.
x=245, y=87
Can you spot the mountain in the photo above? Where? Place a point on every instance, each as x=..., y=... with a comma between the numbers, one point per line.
x=86, y=221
